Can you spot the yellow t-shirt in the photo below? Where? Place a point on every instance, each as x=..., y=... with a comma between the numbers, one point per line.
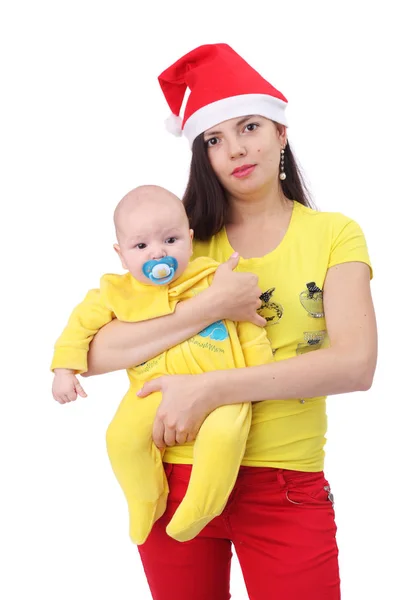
x=290, y=434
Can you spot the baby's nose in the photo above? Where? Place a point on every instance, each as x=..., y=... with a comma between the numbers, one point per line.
x=158, y=253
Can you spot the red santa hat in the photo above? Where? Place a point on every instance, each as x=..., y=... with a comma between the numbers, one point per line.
x=222, y=86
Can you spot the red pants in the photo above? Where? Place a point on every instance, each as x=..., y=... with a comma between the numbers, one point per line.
x=282, y=526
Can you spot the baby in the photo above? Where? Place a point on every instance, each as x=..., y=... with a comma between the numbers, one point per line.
x=155, y=246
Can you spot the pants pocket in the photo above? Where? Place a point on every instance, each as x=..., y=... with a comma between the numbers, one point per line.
x=310, y=490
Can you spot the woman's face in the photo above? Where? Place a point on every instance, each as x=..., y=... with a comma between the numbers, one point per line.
x=245, y=153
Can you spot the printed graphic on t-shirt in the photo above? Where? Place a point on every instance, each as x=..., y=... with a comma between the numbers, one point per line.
x=312, y=300
x=270, y=310
x=312, y=341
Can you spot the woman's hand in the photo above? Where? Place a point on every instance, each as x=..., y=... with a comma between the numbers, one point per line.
x=236, y=296
x=186, y=402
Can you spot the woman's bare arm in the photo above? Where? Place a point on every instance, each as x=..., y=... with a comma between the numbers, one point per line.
x=347, y=366
x=120, y=345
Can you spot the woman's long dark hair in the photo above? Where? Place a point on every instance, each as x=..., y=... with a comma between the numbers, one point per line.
x=205, y=201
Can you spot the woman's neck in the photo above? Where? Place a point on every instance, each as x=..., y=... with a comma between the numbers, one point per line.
x=248, y=209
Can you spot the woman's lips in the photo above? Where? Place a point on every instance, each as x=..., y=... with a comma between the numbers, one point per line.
x=244, y=171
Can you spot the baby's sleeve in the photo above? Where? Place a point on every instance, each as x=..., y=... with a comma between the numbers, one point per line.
x=71, y=348
x=255, y=344
x=348, y=243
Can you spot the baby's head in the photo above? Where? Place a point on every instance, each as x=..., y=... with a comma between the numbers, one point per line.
x=151, y=225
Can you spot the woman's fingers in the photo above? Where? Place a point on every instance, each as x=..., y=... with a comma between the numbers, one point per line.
x=237, y=293
x=158, y=433
x=181, y=436
x=184, y=406
x=258, y=320
x=232, y=261
x=192, y=435
x=154, y=385
x=169, y=436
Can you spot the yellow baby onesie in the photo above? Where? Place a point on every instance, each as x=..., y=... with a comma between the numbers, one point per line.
x=221, y=441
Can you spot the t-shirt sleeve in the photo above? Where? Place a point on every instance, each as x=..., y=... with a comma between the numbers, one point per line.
x=349, y=244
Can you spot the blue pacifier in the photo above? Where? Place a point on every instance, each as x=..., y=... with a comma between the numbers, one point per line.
x=160, y=271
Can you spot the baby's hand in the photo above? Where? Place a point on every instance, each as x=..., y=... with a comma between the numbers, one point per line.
x=66, y=386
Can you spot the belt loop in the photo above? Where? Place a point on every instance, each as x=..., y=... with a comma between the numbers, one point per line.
x=281, y=478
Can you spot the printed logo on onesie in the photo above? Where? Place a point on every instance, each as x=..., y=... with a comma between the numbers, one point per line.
x=271, y=311
x=216, y=331
x=148, y=365
x=312, y=300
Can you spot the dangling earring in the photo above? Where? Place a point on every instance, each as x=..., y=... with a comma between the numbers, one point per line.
x=282, y=174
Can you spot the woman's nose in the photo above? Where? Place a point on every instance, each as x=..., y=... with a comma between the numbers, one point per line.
x=236, y=149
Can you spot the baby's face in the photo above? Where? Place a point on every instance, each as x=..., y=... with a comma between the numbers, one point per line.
x=152, y=233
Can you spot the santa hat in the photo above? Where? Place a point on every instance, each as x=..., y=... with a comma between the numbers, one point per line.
x=222, y=86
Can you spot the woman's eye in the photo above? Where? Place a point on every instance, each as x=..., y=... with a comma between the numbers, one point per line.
x=171, y=240
x=212, y=142
x=251, y=127
x=140, y=246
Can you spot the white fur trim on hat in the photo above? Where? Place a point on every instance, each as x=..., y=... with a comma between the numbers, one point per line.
x=234, y=106
x=174, y=125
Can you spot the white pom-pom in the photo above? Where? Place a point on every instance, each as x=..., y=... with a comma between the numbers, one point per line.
x=174, y=125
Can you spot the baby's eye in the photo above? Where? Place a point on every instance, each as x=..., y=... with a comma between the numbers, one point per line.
x=141, y=246
x=251, y=127
x=171, y=240
x=212, y=142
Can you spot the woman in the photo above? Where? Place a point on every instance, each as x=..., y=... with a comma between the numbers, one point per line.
x=307, y=274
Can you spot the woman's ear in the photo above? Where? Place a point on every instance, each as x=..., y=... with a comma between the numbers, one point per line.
x=282, y=134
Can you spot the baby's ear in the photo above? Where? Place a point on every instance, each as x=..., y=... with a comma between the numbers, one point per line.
x=191, y=233
x=118, y=251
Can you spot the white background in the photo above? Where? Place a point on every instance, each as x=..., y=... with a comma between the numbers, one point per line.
x=81, y=124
